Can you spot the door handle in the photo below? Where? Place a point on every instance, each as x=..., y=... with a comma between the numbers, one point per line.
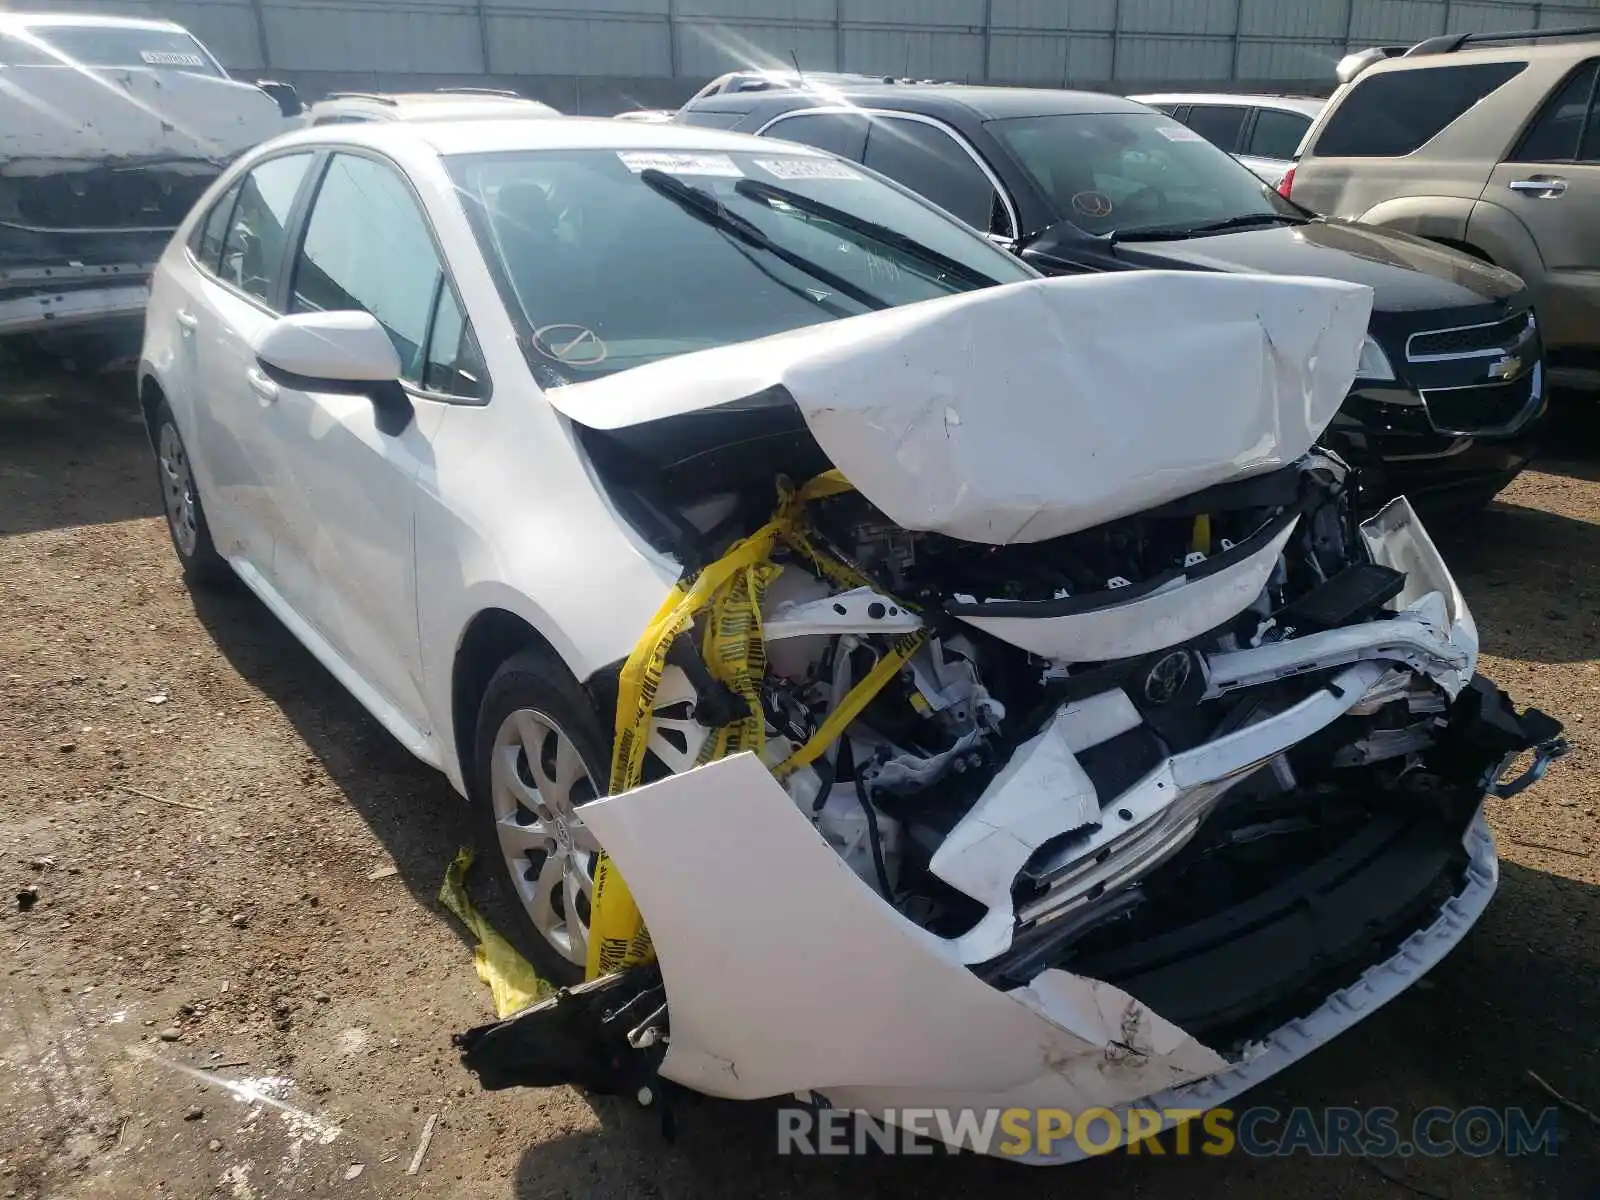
x=1542, y=188
x=261, y=385
x=187, y=319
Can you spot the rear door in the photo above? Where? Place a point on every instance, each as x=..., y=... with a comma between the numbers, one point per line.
x=1551, y=183
x=1271, y=141
x=241, y=259
x=1220, y=124
x=934, y=161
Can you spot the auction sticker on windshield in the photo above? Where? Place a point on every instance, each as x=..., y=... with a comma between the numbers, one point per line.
x=172, y=58
x=680, y=164
x=807, y=168
x=1178, y=133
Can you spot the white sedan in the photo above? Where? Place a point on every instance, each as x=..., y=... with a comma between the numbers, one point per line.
x=979, y=683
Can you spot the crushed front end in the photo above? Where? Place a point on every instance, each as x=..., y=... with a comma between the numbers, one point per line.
x=99, y=164
x=1146, y=806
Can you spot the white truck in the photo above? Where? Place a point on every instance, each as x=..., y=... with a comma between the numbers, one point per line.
x=110, y=128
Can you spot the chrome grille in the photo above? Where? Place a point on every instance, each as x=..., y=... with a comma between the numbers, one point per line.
x=1468, y=341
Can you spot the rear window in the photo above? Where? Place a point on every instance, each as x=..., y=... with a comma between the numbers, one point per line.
x=123, y=46
x=1395, y=112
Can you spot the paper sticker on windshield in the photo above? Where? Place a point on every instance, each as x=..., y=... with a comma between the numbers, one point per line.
x=1178, y=133
x=807, y=168
x=172, y=58
x=680, y=164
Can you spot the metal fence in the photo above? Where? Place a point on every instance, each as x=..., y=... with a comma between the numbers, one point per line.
x=606, y=55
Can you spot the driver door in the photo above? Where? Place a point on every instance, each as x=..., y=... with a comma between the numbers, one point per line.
x=346, y=556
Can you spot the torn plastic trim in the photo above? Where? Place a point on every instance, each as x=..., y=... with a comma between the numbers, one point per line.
x=54, y=309
x=1184, y=609
x=1412, y=638
x=721, y=858
x=1292, y=1041
x=1154, y=819
x=1272, y=534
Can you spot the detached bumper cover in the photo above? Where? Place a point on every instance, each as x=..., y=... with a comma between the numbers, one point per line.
x=37, y=297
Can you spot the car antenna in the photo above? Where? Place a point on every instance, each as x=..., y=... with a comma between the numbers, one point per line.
x=795, y=59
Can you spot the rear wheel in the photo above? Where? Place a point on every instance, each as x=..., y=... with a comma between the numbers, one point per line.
x=180, y=500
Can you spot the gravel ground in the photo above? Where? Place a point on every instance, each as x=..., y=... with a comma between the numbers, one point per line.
x=207, y=819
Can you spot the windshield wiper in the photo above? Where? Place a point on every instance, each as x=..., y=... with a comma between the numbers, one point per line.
x=1188, y=231
x=702, y=204
x=758, y=189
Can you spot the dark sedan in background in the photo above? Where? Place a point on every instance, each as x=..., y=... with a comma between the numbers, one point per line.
x=1450, y=394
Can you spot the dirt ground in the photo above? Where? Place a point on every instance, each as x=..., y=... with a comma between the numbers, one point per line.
x=203, y=813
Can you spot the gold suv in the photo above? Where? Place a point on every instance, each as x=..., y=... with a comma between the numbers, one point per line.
x=1486, y=142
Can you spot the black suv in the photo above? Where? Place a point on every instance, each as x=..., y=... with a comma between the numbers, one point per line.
x=1450, y=394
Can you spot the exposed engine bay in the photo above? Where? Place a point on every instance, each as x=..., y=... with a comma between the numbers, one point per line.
x=1201, y=765
x=987, y=788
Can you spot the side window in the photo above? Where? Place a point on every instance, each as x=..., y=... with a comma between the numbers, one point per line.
x=837, y=133
x=930, y=162
x=252, y=246
x=1277, y=134
x=454, y=366
x=1392, y=113
x=1557, y=131
x=341, y=119
x=367, y=247
x=1219, y=124
x=205, y=243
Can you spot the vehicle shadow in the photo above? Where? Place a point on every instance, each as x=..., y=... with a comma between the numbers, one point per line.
x=1531, y=578
x=1570, y=442
x=407, y=805
x=74, y=447
x=1516, y=996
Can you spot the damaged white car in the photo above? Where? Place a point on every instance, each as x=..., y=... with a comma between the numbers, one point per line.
x=110, y=129
x=979, y=685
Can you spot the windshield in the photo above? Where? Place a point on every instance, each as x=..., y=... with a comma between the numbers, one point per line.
x=116, y=46
x=611, y=259
x=1124, y=172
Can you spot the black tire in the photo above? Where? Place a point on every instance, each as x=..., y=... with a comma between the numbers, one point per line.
x=537, y=681
x=197, y=554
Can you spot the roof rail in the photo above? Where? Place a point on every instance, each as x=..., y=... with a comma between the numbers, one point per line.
x=1451, y=42
x=507, y=93
x=1357, y=61
x=375, y=97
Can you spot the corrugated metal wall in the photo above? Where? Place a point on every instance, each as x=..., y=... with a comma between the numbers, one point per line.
x=604, y=55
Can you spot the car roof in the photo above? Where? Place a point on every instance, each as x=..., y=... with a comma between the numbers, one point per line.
x=451, y=137
x=25, y=20
x=1559, y=51
x=1309, y=105
x=432, y=104
x=985, y=103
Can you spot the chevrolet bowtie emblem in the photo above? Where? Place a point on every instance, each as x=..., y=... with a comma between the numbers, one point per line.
x=1505, y=368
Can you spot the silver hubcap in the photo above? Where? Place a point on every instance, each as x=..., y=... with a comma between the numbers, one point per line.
x=537, y=781
x=177, y=490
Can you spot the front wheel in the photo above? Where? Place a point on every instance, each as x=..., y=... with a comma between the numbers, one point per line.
x=539, y=758
x=180, y=501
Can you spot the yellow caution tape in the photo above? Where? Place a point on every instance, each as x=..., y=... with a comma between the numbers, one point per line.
x=735, y=653
x=854, y=701
x=511, y=978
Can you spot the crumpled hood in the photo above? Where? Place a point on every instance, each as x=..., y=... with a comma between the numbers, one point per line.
x=1032, y=410
x=51, y=113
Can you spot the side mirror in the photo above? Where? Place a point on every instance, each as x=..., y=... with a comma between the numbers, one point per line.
x=346, y=352
x=287, y=98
